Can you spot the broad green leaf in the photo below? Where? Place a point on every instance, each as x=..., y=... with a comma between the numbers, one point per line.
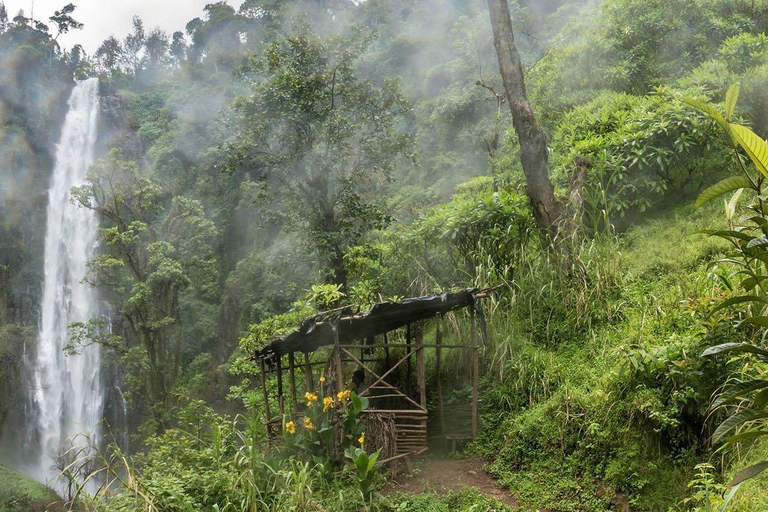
x=739, y=347
x=757, y=242
x=728, y=234
x=736, y=420
x=731, y=97
x=760, y=399
x=747, y=473
x=710, y=110
x=722, y=187
x=739, y=389
x=737, y=300
x=746, y=436
x=756, y=148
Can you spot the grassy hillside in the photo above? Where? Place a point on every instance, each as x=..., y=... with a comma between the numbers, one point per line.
x=607, y=407
x=22, y=494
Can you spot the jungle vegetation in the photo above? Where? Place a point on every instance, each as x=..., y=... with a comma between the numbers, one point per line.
x=282, y=157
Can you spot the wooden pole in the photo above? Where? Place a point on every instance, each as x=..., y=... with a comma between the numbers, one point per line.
x=438, y=356
x=264, y=390
x=386, y=353
x=292, y=377
x=408, y=368
x=421, y=369
x=475, y=372
x=337, y=359
x=308, y=372
x=280, y=404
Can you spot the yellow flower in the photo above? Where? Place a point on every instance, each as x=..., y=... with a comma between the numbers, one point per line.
x=308, y=424
x=311, y=398
x=327, y=403
x=343, y=395
x=322, y=379
x=290, y=427
x=361, y=440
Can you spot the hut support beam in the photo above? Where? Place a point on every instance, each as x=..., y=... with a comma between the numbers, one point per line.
x=421, y=369
x=264, y=391
x=475, y=372
x=280, y=403
x=438, y=376
x=308, y=373
x=292, y=378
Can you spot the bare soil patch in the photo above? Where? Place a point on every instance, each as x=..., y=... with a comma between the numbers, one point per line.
x=451, y=475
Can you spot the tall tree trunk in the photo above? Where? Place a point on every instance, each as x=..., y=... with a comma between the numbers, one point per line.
x=533, y=141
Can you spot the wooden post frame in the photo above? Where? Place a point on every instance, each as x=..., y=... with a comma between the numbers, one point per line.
x=337, y=359
x=280, y=403
x=421, y=368
x=309, y=384
x=475, y=371
x=264, y=391
x=438, y=376
x=292, y=379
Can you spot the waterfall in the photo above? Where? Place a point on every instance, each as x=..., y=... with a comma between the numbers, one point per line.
x=67, y=394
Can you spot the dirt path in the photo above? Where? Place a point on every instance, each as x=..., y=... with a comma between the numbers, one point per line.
x=447, y=475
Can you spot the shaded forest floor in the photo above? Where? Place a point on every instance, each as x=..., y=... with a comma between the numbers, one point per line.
x=443, y=475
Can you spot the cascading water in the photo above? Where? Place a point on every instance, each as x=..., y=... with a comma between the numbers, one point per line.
x=68, y=394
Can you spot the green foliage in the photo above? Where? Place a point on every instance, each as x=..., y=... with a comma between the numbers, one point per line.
x=639, y=150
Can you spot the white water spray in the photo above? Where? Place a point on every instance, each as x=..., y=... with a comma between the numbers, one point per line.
x=68, y=393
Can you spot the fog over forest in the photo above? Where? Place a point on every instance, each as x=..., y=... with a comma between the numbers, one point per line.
x=329, y=255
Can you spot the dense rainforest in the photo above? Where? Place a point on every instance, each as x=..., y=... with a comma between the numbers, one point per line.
x=280, y=158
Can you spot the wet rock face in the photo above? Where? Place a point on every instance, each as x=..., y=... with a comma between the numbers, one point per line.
x=111, y=103
x=114, y=131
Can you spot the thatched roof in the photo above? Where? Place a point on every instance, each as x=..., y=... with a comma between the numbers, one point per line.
x=317, y=331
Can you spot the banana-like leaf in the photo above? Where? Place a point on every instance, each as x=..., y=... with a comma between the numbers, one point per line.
x=736, y=347
x=710, y=110
x=737, y=300
x=760, y=399
x=760, y=321
x=739, y=389
x=728, y=234
x=731, y=97
x=736, y=420
x=747, y=473
x=746, y=436
x=756, y=148
x=722, y=187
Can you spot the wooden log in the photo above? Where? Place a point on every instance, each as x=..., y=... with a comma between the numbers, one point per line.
x=381, y=379
x=421, y=369
x=280, y=404
x=309, y=384
x=292, y=379
x=404, y=345
x=475, y=373
x=264, y=391
x=386, y=353
x=337, y=359
x=408, y=369
x=438, y=376
x=365, y=367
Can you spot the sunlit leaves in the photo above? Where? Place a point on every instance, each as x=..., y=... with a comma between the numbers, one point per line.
x=723, y=187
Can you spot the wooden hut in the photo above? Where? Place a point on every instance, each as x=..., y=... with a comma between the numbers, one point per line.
x=364, y=342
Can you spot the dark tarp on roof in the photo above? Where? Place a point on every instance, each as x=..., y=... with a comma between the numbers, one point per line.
x=383, y=317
